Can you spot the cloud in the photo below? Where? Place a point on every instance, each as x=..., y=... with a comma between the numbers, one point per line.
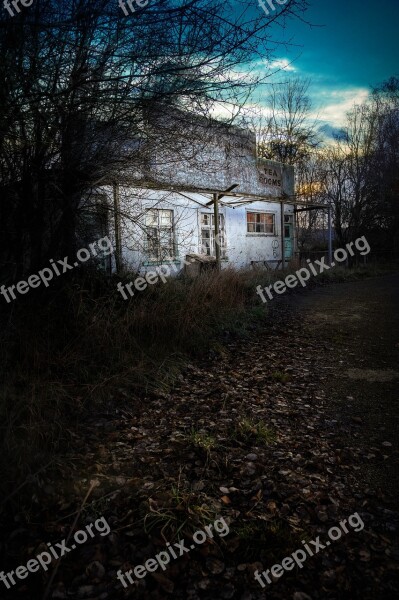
x=334, y=104
x=281, y=64
x=278, y=64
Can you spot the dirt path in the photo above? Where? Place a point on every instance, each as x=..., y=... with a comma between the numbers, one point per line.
x=361, y=322
x=284, y=433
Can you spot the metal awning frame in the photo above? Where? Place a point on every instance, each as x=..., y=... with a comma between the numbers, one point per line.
x=243, y=199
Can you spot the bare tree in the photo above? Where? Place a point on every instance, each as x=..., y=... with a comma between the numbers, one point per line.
x=349, y=165
x=310, y=190
x=79, y=77
x=289, y=133
x=384, y=175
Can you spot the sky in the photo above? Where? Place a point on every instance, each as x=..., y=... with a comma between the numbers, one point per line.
x=351, y=46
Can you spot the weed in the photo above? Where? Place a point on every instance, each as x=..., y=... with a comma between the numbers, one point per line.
x=280, y=376
x=201, y=439
x=178, y=511
x=261, y=540
x=249, y=430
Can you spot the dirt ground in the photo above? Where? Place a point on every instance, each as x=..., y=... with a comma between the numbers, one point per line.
x=283, y=432
x=361, y=321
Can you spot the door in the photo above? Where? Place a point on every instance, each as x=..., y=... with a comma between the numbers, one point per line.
x=288, y=237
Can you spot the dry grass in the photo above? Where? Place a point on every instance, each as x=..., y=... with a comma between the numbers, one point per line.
x=64, y=351
x=68, y=350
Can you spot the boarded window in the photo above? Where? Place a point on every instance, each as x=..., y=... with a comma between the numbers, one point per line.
x=159, y=235
x=258, y=222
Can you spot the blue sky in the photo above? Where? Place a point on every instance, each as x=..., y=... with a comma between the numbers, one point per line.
x=351, y=46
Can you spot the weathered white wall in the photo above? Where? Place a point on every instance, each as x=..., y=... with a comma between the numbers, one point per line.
x=242, y=247
x=216, y=161
x=211, y=161
x=245, y=247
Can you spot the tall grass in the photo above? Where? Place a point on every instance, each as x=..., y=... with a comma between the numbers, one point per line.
x=70, y=350
x=67, y=351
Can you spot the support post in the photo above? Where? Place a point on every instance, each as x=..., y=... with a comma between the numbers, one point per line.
x=118, y=244
x=216, y=224
x=295, y=226
x=329, y=236
x=282, y=235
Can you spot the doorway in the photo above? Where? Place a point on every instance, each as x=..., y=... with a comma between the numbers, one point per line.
x=288, y=236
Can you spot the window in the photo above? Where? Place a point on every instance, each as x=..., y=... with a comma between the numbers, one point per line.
x=258, y=222
x=208, y=235
x=159, y=234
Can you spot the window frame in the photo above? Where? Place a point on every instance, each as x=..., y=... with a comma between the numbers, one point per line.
x=261, y=233
x=211, y=229
x=149, y=244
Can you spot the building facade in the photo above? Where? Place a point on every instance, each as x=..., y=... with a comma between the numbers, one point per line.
x=162, y=210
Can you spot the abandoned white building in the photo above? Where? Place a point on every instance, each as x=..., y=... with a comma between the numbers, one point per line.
x=163, y=208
